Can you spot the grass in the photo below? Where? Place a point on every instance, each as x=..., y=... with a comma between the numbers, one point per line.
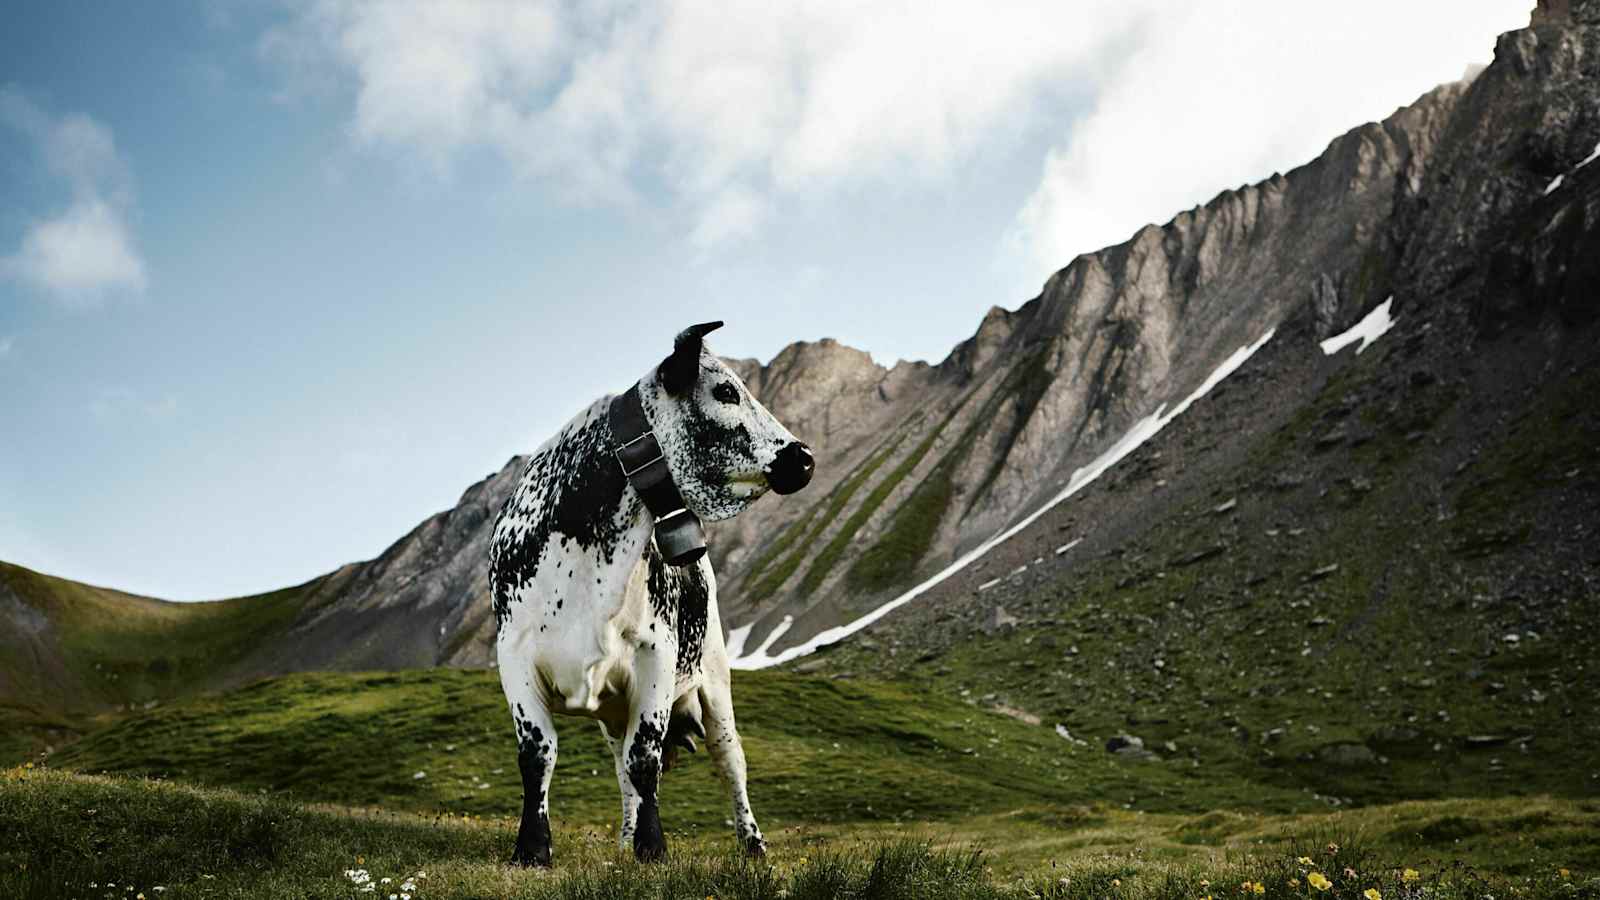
x=821, y=751
x=103, y=648
x=68, y=835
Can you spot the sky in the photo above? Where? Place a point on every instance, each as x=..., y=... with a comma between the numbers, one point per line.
x=279, y=279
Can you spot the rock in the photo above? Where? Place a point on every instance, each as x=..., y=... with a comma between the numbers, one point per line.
x=1324, y=306
x=1285, y=481
x=1225, y=506
x=1000, y=620
x=1346, y=755
x=1021, y=715
x=1127, y=746
x=1396, y=736
x=1197, y=556
x=1120, y=742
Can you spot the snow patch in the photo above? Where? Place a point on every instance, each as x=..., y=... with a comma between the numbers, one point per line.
x=1141, y=431
x=736, y=639
x=1371, y=327
x=1557, y=181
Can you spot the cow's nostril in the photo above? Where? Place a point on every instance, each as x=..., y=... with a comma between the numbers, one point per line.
x=792, y=468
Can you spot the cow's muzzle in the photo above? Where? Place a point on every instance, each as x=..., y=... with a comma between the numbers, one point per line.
x=792, y=468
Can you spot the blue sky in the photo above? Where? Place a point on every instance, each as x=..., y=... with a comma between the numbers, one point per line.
x=280, y=279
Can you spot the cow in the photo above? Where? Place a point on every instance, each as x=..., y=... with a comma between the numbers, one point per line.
x=605, y=603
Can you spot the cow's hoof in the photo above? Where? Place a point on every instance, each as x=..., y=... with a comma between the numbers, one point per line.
x=536, y=858
x=755, y=847
x=649, y=844
x=649, y=847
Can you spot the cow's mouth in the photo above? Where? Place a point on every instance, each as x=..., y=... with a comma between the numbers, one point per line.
x=747, y=485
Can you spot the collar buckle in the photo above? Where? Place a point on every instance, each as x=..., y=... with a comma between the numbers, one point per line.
x=625, y=451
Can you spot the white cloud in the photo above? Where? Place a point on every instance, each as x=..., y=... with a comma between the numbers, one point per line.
x=6, y=343
x=723, y=107
x=1225, y=92
x=722, y=110
x=83, y=253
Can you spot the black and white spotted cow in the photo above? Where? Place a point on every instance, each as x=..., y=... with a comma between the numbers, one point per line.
x=594, y=622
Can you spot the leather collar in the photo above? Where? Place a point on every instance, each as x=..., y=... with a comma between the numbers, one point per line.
x=678, y=533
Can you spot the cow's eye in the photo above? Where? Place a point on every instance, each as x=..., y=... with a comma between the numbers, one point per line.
x=726, y=392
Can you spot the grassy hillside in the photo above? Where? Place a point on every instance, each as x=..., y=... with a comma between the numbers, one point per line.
x=820, y=751
x=65, y=835
x=70, y=652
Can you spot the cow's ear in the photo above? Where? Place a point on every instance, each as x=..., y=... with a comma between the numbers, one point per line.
x=679, y=371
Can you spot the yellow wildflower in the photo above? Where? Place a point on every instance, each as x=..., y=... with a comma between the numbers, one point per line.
x=1566, y=873
x=1372, y=894
x=1410, y=875
x=1116, y=882
x=1319, y=881
x=1258, y=888
x=1294, y=882
x=1304, y=860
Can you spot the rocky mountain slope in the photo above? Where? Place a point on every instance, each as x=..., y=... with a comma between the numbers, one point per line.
x=1372, y=575
x=1443, y=205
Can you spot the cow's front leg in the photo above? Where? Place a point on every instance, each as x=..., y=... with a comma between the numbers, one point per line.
x=642, y=746
x=727, y=754
x=536, y=759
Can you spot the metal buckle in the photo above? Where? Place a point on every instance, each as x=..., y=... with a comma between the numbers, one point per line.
x=629, y=473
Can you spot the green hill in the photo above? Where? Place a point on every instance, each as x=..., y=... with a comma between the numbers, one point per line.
x=71, y=653
x=278, y=788
x=820, y=751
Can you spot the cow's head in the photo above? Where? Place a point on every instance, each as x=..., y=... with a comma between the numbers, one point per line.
x=724, y=449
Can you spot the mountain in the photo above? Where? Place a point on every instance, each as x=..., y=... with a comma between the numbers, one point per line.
x=1449, y=210
x=1371, y=573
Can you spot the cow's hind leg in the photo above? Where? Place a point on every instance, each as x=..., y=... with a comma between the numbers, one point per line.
x=642, y=746
x=727, y=754
x=536, y=759
x=630, y=797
